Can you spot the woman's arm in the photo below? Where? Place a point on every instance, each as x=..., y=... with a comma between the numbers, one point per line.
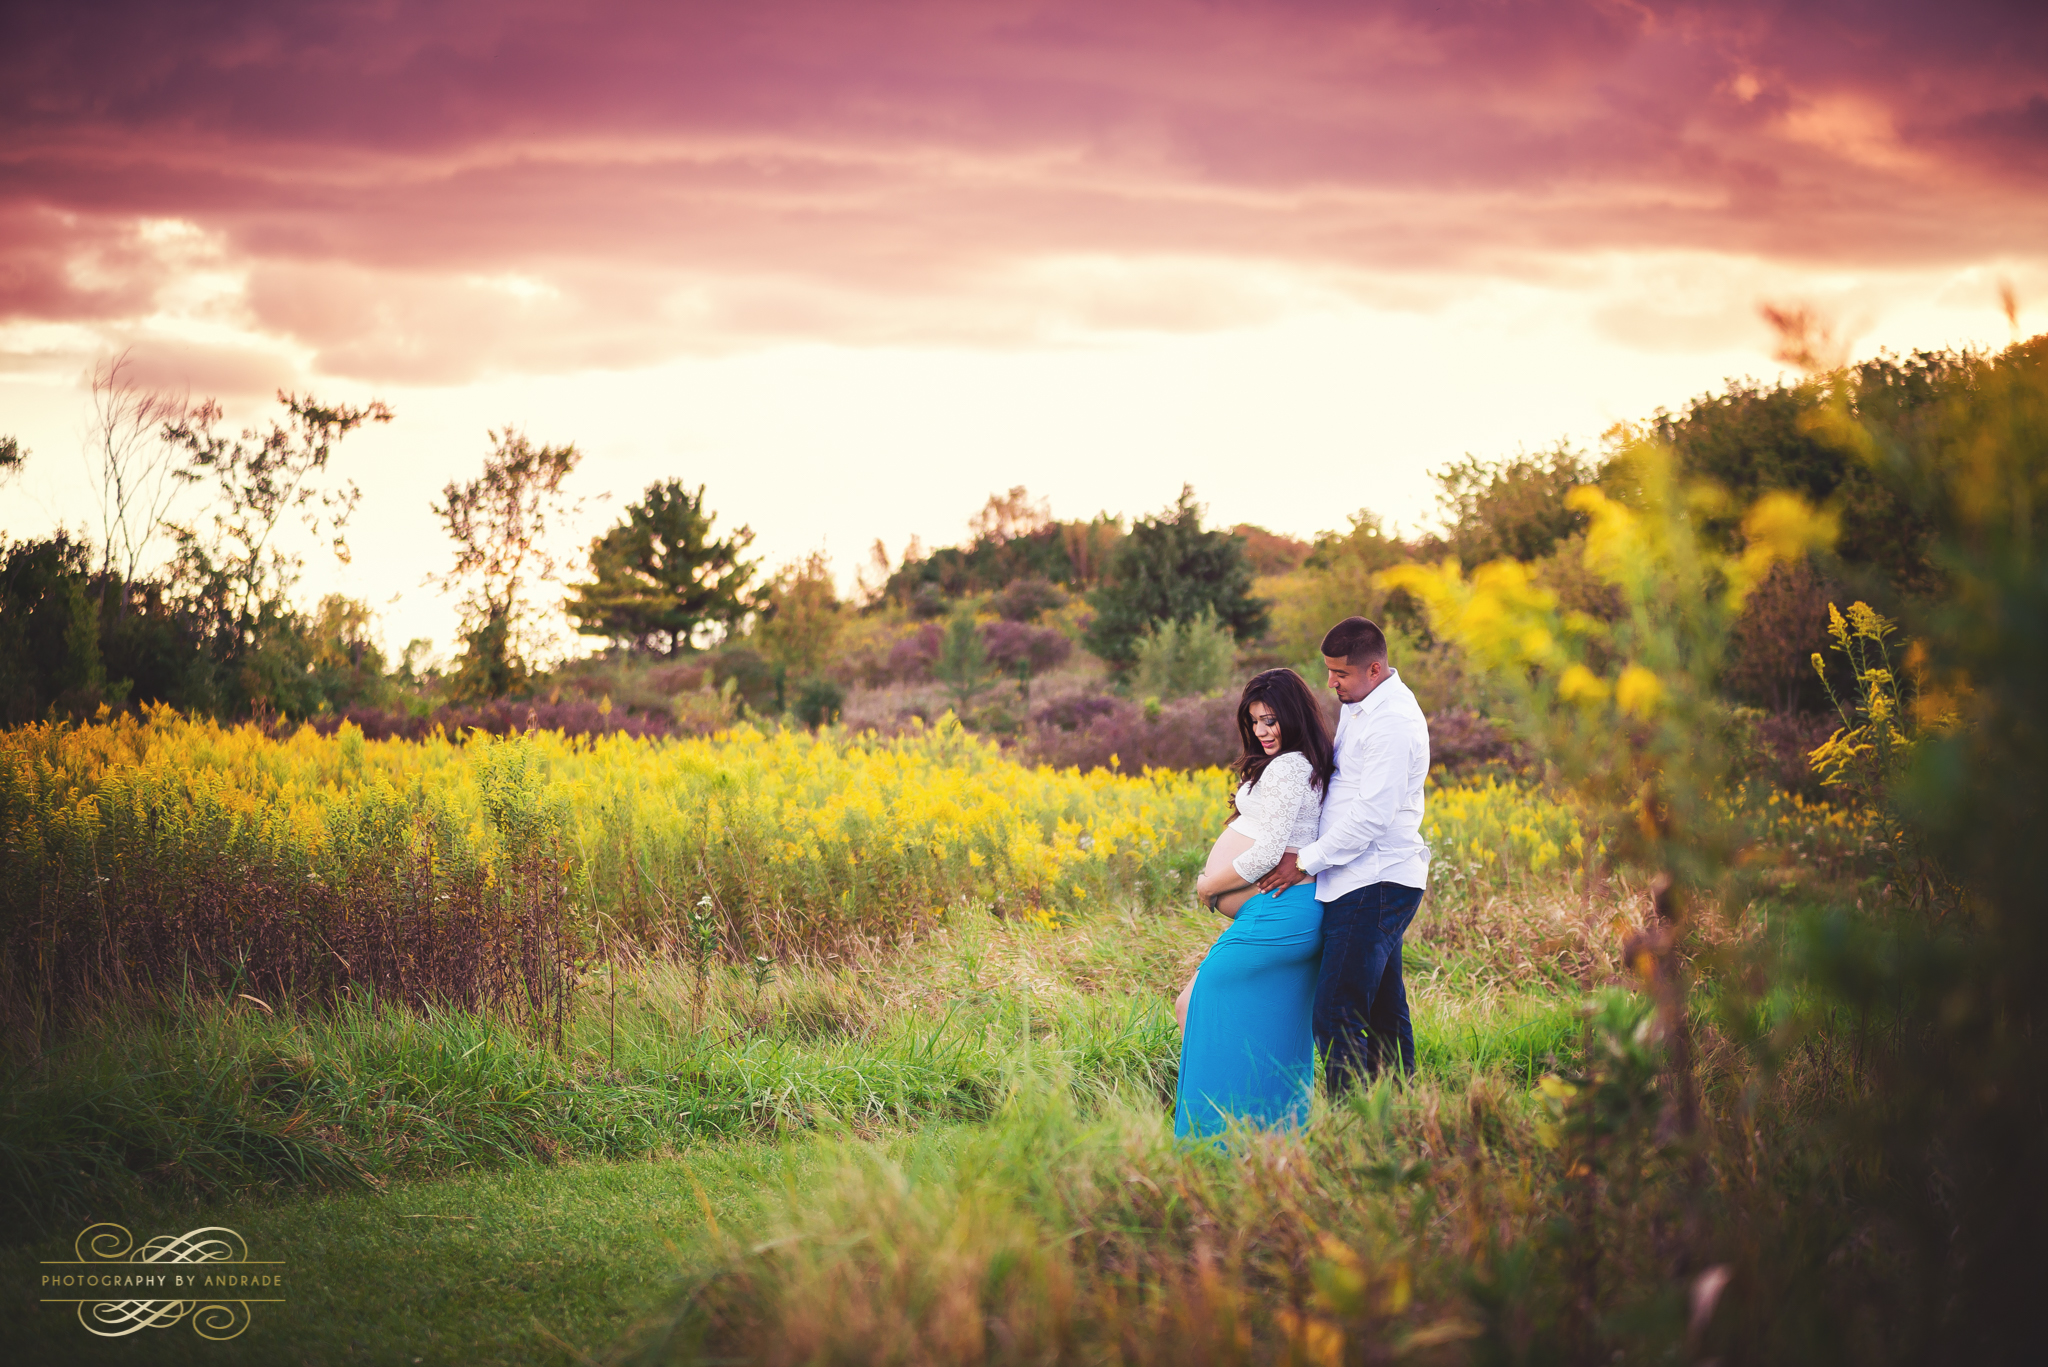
x=1220, y=886
x=1281, y=790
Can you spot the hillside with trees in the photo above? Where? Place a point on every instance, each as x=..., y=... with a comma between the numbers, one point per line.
x=1076, y=640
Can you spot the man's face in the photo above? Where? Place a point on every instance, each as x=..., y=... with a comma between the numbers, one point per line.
x=1352, y=682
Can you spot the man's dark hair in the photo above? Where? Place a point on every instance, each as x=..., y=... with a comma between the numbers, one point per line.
x=1356, y=640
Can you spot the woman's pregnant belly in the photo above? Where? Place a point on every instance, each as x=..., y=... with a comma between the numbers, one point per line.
x=1218, y=874
x=1228, y=846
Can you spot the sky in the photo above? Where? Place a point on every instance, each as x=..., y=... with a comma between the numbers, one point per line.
x=854, y=265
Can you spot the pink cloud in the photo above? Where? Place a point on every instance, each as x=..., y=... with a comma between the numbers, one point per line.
x=426, y=191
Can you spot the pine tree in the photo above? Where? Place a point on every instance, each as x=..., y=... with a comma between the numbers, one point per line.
x=1168, y=569
x=659, y=575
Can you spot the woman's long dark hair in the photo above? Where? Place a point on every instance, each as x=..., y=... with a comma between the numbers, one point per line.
x=1301, y=726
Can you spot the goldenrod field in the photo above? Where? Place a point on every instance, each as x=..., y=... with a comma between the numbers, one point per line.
x=167, y=848
x=167, y=845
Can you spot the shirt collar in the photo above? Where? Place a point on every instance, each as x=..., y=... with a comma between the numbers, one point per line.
x=1373, y=699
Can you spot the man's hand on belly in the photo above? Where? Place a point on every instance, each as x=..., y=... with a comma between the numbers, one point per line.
x=1285, y=874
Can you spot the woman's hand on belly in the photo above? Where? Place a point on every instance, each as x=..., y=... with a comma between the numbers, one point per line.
x=1230, y=903
x=1219, y=874
x=1219, y=879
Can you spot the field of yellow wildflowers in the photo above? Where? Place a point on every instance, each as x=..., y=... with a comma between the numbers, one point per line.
x=166, y=848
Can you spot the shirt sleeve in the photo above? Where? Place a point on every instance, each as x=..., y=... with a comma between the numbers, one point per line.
x=1281, y=789
x=1380, y=776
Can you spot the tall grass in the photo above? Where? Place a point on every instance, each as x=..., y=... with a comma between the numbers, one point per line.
x=223, y=1097
x=1436, y=1223
x=190, y=1093
x=158, y=854
x=162, y=851
x=1515, y=1203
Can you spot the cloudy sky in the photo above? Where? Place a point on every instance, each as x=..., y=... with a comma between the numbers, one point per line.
x=855, y=264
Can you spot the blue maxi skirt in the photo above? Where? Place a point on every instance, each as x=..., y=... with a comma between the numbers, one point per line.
x=1250, y=1050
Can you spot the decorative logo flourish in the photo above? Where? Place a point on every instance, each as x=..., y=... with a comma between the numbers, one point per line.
x=203, y=1275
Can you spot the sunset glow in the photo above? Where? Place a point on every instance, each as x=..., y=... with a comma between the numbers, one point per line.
x=854, y=266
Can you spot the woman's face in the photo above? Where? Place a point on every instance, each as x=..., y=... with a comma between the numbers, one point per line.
x=1266, y=727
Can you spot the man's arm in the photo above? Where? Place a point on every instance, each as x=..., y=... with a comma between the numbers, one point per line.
x=1382, y=770
x=1285, y=874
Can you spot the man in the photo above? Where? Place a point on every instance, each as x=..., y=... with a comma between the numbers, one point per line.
x=1368, y=859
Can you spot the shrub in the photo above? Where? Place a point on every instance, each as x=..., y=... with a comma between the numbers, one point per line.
x=1774, y=639
x=912, y=657
x=1180, y=659
x=963, y=662
x=574, y=716
x=819, y=702
x=1075, y=710
x=1778, y=748
x=1461, y=739
x=1024, y=600
x=862, y=653
x=1025, y=651
x=755, y=682
x=1128, y=737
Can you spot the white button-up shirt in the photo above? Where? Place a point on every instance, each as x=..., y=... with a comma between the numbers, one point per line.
x=1371, y=826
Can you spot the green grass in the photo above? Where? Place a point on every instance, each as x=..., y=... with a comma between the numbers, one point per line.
x=1065, y=1233
x=448, y=1189
x=221, y=1098
x=520, y=1265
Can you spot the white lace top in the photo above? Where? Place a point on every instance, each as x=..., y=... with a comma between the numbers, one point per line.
x=1279, y=813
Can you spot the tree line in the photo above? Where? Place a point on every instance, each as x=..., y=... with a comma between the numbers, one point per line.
x=218, y=629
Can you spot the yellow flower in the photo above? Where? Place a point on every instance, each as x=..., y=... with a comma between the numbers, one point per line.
x=1581, y=685
x=1638, y=692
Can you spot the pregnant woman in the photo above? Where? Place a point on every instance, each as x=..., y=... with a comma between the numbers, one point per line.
x=1247, y=1048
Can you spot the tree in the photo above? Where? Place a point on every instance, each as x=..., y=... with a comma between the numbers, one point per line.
x=1184, y=659
x=799, y=619
x=49, y=631
x=345, y=666
x=1751, y=439
x=1009, y=517
x=134, y=443
x=658, y=576
x=1271, y=552
x=1167, y=569
x=235, y=574
x=871, y=578
x=1511, y=509
x=13, y=456
x=1336, y=581
x=499, y=524
x=963, y=662
x=1090, y=547
x=1012, y=537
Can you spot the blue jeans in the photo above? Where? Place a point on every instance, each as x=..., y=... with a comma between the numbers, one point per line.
x=1361, y=1011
